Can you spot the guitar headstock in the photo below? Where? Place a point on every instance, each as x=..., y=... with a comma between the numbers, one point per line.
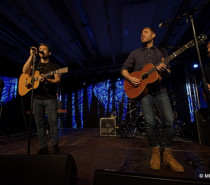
x=62, y=70
x=200, y=39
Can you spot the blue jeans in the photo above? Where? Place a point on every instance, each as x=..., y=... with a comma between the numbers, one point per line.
x=162, y=136
x=39, y=108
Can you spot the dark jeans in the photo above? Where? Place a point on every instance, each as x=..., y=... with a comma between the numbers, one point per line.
x=39, y=108
x=154, y=133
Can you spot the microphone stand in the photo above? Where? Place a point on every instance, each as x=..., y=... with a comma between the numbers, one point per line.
x=201, y=65
x=190, y=16
x=31, y=105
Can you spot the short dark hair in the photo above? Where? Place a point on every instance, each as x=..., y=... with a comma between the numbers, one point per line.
x=44, y=44
x=151, y=29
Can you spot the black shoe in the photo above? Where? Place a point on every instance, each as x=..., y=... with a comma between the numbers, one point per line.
x=43, y=151
x=56, y=150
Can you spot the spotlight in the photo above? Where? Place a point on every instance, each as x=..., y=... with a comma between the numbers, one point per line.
x=195, y=66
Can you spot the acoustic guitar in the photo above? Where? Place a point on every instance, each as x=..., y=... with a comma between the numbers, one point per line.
x=26, y=80
x=149, y=75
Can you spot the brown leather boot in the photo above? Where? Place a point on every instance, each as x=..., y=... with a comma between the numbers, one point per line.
x=168, y=159
x=155, y=160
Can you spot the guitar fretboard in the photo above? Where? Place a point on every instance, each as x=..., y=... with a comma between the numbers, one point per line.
x=200, y=39
x=169, y=58
x=59, y=71
x=174, y=54
x=46, y=75
x=49, y=74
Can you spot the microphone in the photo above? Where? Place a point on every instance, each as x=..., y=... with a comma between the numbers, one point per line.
x=38, y=51
x=41, y=52
x=161, y=25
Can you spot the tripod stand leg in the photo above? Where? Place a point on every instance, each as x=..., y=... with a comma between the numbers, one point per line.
x=134, y=133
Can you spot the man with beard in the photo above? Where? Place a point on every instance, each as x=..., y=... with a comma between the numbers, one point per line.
x=45, y=97
x=156, y=96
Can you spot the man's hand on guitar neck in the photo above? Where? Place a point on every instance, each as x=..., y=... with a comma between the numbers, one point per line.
x=162, y=69
x=40, y=78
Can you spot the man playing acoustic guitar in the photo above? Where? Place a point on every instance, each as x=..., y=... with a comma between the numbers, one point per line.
x=45, y=97
x=155, y=96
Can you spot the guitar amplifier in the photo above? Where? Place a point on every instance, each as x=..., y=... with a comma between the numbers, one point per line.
x=107, y=126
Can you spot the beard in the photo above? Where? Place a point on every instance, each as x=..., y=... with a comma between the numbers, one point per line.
x=44, y=57
x=208, y=54
x=145, y=43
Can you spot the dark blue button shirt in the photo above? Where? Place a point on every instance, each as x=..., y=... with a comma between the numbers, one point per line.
x=141, y=56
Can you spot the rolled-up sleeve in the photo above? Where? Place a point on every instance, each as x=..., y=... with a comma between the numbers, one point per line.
x=129, y=63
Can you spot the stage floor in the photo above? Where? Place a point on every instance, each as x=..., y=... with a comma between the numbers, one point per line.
x=126, y=154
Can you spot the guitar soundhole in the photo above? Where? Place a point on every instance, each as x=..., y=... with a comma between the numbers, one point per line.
x=144, y=76
x=29, y=85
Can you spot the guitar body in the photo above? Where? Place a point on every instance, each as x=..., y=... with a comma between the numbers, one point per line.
x=147, y=80
x=25, y=83
x=25, y=80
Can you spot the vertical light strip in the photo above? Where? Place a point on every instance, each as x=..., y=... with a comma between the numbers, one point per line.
x=89, y=94
x=196, y=101
x=125, y=107
x=65, y=101
x=74, y=124
x=80, y=105
x=189, y=97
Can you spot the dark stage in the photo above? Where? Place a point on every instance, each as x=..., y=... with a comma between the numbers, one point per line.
x=97, y=41
x=126, y=155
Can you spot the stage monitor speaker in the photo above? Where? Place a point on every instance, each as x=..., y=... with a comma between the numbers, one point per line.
x=108, y=177
x=203, y=126
x=38, y=170
x=107, y=126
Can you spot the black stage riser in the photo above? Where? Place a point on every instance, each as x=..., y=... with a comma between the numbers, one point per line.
x=38, y=170
x=108, y=177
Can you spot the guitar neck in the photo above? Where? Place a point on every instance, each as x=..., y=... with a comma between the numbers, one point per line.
x=174, y=54
x=169, y=58
x=47, y=75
